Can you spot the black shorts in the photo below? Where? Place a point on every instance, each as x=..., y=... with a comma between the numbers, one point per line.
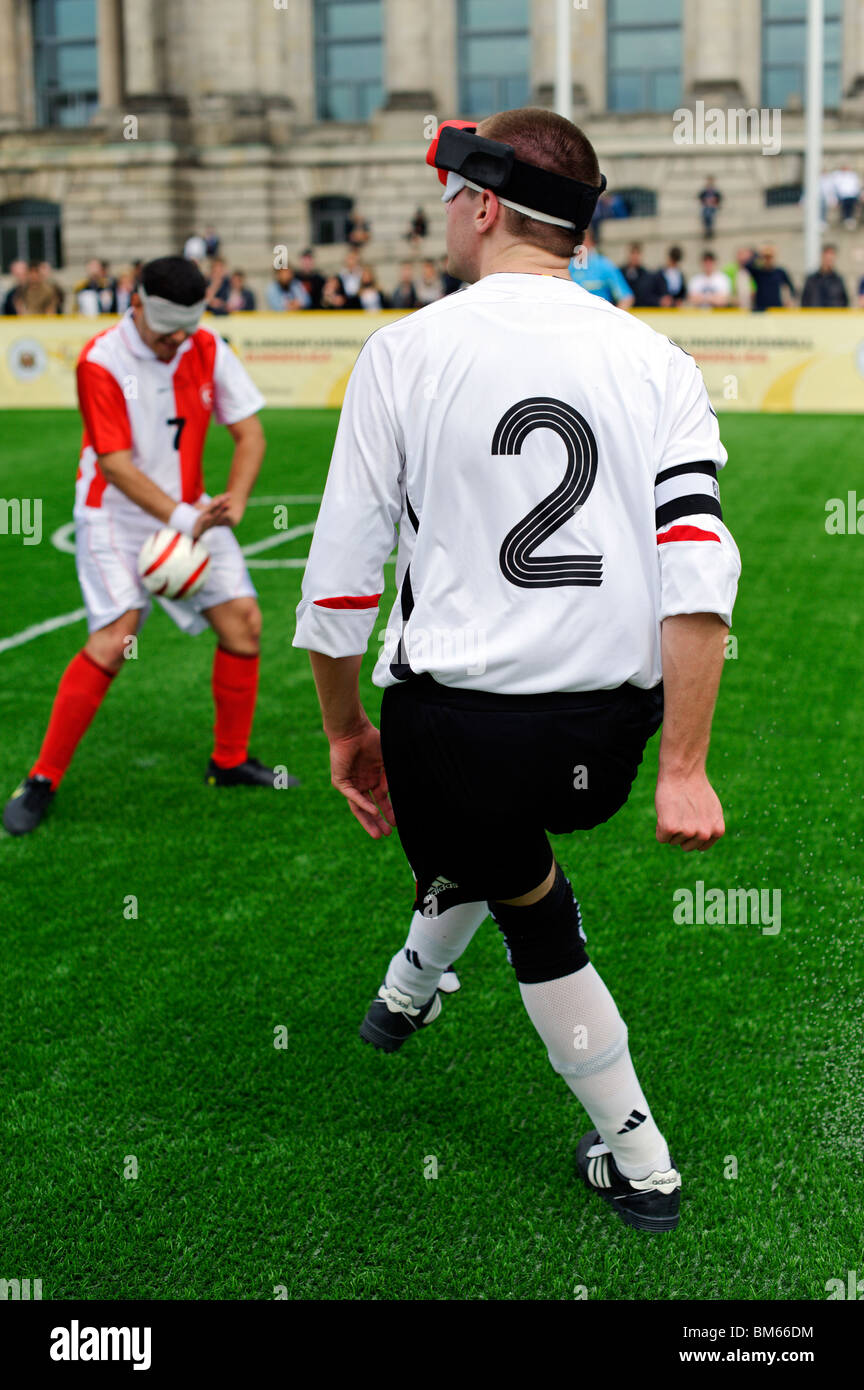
x=477, y=779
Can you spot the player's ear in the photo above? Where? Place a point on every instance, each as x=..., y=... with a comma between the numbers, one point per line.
x=135, y=300
x=488, y=207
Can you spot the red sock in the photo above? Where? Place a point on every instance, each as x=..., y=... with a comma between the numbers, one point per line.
x=82, y=688
x=235, y=687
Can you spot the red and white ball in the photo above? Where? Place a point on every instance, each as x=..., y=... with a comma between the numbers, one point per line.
x=173, y=565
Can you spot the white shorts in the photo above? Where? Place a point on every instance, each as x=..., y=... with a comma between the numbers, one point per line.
x=106, y=556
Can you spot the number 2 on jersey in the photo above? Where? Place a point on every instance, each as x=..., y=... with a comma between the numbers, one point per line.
x=518, y=562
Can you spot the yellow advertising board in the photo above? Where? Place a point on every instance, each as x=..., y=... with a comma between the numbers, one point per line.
x=784, y=360
x=303, y=358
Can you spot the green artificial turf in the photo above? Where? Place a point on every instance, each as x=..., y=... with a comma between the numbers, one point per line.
x=302, y=1167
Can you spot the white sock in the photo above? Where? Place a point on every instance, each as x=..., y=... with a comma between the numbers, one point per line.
x=586, y=1039
x=433, y=944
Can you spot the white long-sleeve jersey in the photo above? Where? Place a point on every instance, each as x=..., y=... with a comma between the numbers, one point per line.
x=550, y=464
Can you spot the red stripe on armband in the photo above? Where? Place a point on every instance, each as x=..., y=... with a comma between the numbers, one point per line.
x=687, y=533
x=349, y=601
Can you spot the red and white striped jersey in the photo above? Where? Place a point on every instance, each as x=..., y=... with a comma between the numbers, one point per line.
x=551, y=465
x=159, y=410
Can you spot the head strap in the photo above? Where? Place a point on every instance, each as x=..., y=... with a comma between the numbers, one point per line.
x=491, y=164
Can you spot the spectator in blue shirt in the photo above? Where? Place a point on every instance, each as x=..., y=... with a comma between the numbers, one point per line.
x=598, y=275
x=773, y=286
x=285, y=291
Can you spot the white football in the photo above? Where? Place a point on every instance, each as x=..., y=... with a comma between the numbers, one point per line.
x=173, y=565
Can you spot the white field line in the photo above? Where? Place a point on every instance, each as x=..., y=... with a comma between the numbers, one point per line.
x=301, y=499
x=39, y=629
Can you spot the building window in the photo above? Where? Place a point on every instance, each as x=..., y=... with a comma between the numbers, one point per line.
x=66, y=61
x=784, y=52
x=644, y=55
x=637, y=202
x=494, y=55
x=783, y=195
x=349, y=56
x=30, y=231
x=329, y=219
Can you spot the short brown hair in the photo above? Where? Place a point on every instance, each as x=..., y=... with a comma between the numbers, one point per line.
x=550, y=142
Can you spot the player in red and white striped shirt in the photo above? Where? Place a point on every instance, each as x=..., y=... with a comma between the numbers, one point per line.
x=147, y=388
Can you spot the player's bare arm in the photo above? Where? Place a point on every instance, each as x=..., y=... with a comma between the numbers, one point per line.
x=119, y=470
x=689, y=813
x=356, y=764
x=249, y=447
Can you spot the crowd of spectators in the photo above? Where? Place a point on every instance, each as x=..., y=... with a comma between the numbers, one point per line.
x=34, y=289
x=355, y=285
x=753, y=280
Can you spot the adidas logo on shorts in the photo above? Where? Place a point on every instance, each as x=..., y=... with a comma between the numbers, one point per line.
x=430, y=901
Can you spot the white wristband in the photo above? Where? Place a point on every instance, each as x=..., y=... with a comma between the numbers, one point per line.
x=183, y=518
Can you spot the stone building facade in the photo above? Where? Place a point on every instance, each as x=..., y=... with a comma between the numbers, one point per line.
x=211, y=115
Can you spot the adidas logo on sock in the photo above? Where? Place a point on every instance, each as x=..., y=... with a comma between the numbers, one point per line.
x=413, y=959
x=633, y=1121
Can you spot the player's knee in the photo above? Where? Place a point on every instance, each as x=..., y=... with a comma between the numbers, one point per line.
x=544, y=940
x=253, y=622
x=110, y=648
x=247, y=623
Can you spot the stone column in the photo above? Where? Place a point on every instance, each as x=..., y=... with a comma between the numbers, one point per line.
x=853, y=60
x=410, y=55
x=26, y=76
x=9, y=97
x=285, y=65
x=722, y=46
x=140, y=66
x=296, y=78
x=110, y=55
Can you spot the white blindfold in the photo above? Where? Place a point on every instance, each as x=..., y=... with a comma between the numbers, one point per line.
x=164, y=316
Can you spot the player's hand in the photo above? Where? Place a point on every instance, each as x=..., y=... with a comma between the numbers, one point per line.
x=689, y=813
x=234, y=510
x=213, y=513
x=357, y=771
